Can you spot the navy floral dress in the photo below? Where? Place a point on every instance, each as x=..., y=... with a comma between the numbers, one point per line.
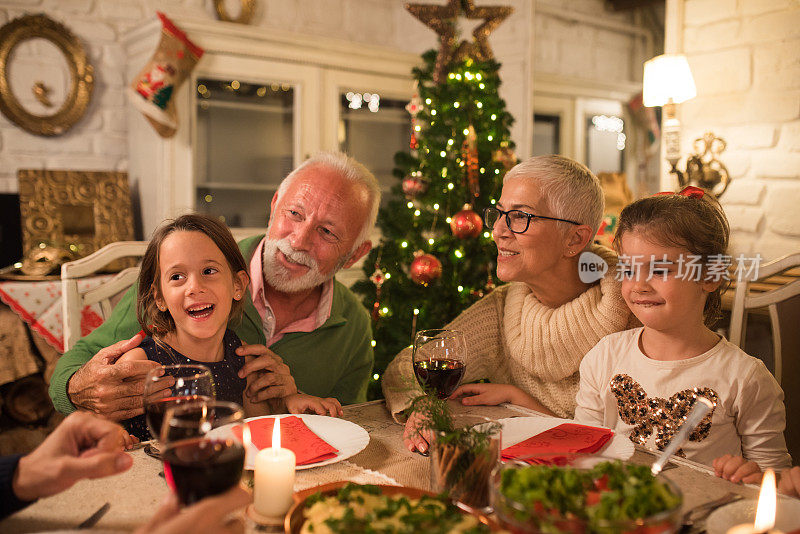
x=228, y=385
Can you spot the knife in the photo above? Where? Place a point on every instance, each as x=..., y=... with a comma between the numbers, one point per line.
x=95, y=517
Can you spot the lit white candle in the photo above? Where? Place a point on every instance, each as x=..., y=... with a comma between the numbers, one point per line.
x=765, y=511
x=274, y=478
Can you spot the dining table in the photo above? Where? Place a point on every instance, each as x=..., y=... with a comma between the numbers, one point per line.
x=136, y=494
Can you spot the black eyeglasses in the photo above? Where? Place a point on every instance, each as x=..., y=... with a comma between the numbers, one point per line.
x=516, y=220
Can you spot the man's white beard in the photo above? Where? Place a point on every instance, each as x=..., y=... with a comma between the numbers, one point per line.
x=280, y=278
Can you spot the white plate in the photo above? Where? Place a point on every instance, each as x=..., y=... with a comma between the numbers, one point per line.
x=348, y=438
x=787, y=516
x=516, y=429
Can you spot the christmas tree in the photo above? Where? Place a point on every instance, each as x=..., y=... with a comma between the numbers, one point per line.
x=435, y=258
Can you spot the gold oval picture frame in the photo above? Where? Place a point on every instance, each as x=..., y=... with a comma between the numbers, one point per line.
x=245, y=15
x=82, y=75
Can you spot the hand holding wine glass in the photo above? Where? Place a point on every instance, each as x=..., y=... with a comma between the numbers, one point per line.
x=439, y=360
x=202, y=455
x=170, y=385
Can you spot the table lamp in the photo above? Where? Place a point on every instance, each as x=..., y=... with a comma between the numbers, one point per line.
x=667, y=82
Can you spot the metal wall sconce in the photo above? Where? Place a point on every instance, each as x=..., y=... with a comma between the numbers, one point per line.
x=703, y=168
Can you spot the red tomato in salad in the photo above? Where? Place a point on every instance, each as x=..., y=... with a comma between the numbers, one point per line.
x=601, y=484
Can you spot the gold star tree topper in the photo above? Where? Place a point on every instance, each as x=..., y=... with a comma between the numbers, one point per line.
x=443, y=18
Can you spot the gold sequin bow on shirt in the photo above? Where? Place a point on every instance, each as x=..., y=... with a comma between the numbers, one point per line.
x=662, y=416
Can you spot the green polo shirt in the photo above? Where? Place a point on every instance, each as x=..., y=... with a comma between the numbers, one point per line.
x=335, y=360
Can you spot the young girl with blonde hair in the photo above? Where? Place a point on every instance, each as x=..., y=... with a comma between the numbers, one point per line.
x=643, y=382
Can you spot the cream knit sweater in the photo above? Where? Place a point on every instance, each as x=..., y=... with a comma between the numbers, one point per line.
x=512, y=338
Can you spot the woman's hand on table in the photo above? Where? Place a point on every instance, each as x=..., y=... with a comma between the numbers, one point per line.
x=413, y=434
x=210, y=515
x=790, y=482
x=82, y=446
x=494, y=394
x=736, y=469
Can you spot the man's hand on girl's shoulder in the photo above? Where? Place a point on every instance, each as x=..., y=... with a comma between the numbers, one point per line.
x=109, y=387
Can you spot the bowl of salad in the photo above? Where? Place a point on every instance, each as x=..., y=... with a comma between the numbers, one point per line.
x=592, y=496
x=349, y=508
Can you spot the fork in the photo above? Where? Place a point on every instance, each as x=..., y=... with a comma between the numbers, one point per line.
x=699, y=513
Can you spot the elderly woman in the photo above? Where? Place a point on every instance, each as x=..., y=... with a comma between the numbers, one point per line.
x=528, y=337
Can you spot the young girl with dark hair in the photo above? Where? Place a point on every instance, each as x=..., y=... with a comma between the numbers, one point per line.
x=191, y=285
x=643, y=382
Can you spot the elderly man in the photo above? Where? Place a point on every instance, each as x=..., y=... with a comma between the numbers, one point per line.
x=318, y=333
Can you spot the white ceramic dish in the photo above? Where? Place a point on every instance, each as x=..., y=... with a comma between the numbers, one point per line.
x=347, y=437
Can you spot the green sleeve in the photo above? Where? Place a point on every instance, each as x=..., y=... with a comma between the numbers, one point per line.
x=352, y=387
x=122, y=324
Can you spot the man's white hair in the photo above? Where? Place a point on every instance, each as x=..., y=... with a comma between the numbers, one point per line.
x=351, y=170
x=571, y=191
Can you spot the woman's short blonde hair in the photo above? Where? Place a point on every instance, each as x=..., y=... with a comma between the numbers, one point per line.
x=571, y=191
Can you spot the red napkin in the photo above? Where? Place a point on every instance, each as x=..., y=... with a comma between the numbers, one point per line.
x=295, y=436
x=559, y=444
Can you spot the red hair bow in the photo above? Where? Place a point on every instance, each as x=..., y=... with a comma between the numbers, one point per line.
x=688, y=191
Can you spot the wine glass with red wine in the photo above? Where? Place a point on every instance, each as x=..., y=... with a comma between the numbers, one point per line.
x=201, y=453
x=439, y=360
x=170, y=385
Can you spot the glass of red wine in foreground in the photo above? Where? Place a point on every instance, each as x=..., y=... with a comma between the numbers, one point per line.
x=202, y=455
x=439, y=360
x=170, y=385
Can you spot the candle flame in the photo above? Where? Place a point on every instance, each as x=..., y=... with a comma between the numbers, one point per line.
x=765, y=513
x=276, y=434
x=246, y=436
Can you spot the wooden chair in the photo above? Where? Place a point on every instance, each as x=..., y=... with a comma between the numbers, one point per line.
x=770, y=294
x=777, y=290
x=74, y=300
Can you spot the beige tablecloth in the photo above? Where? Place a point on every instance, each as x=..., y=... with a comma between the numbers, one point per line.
x=135, y=495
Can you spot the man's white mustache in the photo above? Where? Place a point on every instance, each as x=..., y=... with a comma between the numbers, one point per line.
x=303, y=258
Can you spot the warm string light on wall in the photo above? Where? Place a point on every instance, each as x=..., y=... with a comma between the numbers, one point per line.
x=357, y=100
x=605, y=123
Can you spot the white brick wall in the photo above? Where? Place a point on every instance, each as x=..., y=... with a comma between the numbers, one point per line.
x=98, y=141
x=745, y=57
x=583, y=49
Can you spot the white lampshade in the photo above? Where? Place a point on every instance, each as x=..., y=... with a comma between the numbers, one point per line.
x=667, y=77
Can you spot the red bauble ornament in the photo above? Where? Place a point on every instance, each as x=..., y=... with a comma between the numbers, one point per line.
x=425, y=268
x=413, y=143
x=466, y=223
x=414, y=184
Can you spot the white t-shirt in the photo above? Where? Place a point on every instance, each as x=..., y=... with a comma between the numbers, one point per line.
x=645, y=399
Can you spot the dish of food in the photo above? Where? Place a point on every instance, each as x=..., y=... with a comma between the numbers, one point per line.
x=610, y=497
x=345, y=507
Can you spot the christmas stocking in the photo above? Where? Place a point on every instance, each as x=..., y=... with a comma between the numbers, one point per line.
x=153, y=88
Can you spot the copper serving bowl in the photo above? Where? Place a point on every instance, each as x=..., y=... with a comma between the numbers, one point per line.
x=295, y=519
x=524, y=518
